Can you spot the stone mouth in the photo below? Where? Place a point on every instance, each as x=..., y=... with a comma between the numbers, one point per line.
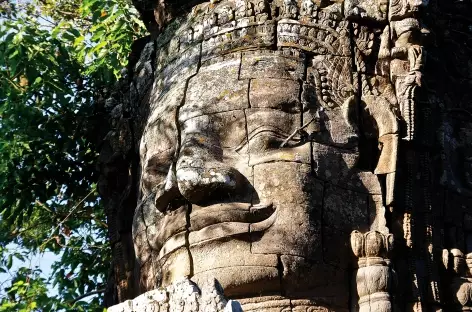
x=221, y=221
x=234, y=212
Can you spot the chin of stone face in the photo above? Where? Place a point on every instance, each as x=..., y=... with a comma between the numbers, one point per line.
x=288, y=158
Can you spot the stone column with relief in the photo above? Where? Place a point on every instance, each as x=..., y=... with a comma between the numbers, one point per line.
x=374, y=276
x=460, y=285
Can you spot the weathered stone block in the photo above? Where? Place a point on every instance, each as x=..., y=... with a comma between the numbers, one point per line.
x=297, y=198
x=271, y=64
x=215, y=89
x=286, y=97
x=241, y=281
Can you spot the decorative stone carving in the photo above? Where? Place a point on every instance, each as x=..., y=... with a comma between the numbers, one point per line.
x=182, y=296
x=331, y=76
x=367, y=9
x=250, y=140
x=374, y=276
x=236, y=170
x=289, y=9
x=407, y=57
x=308, y=8
x=461, y=285
x=244, y=9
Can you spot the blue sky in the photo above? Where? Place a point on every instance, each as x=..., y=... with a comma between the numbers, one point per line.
x=43, y=261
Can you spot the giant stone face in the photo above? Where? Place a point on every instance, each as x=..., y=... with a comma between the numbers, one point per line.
x=254, y=169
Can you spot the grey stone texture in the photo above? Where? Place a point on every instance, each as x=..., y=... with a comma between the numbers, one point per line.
x=292, y=155
x=182, y=296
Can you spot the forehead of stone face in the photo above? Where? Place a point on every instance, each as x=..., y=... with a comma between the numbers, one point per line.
x=224, y=84
x=215, y=89
x=248, y=82
x=243, y=98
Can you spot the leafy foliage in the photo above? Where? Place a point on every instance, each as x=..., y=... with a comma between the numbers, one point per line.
x=56, y=59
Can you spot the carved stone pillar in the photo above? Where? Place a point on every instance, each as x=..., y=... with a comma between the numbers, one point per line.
x=460, y=266
x=374, y=276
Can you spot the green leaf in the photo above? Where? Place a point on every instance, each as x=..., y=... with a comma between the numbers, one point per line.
x=55, y=32
x=99, y=46
x=38, y=80
x=98, y=35
x=18, y=38
x=48, y=145
x=9, y=261
x=15, y=53
x=79, y=40
x=74, y=32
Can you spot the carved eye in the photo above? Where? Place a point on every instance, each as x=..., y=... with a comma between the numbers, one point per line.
x=156, y=168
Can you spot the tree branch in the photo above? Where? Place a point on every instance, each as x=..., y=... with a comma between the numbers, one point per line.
x=95, y=292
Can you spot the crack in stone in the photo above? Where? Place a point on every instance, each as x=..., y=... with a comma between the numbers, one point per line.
x=177, y=152
x=308, y=59
x=240, y=69
x=252, y=172
x=249, y=93
x=352, y=48
x=187, y=240
x=322, y=242
x=280, y=270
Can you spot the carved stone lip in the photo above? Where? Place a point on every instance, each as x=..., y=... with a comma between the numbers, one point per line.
x=231, y=212
x=221, y=221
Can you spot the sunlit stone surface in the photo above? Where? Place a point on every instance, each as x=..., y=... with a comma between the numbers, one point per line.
x=278, y=151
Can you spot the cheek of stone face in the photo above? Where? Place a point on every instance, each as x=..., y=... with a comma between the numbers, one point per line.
x=157, y=150
x=297, y=233
x=297, y=197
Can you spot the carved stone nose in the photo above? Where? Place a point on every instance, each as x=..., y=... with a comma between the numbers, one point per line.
x=201, y=171
x=198, y=180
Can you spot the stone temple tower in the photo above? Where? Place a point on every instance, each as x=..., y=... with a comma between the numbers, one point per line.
x=292, y=155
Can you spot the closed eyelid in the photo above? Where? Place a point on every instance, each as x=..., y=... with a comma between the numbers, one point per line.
x=267, y=130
